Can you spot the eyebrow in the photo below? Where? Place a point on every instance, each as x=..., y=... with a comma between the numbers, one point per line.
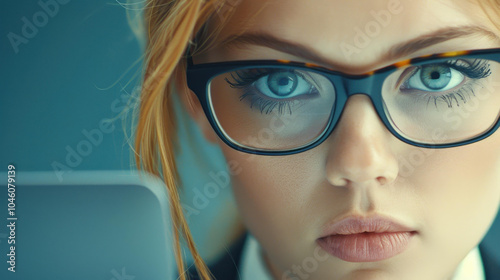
x=395, y=52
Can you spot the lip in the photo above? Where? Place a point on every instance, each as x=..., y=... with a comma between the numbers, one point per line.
x=366, y=239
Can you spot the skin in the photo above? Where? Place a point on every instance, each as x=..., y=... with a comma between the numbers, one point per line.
x=450, y=196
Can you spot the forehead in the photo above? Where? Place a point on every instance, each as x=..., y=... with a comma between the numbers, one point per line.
x=369, y=27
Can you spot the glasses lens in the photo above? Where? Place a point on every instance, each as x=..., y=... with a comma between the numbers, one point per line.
x=272, y=109
x=443, y=103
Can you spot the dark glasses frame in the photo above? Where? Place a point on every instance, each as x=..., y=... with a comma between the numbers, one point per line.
x=370, y=84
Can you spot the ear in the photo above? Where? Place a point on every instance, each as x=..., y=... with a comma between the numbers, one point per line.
x=193, y=107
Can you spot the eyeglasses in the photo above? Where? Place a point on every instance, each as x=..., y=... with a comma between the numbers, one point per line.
x=279, y=107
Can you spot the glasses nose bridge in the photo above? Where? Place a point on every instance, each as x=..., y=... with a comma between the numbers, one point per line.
x=359, y=85
x=369, y=85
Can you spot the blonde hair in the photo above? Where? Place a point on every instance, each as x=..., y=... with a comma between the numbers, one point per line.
x=492, y=10
x=172, y=26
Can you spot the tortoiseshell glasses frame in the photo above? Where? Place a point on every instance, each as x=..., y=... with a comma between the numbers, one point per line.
x=370, y=84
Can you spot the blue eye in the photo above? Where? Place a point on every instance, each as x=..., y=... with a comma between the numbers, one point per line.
x=435, y=78
x=283, y=84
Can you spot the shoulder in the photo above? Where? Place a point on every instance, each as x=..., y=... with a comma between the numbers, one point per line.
x=227, y=266
x=490, y=263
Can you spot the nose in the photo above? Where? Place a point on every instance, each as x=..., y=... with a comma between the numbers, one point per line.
x=359, y=150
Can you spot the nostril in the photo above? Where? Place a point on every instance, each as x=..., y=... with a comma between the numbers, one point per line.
x=382, y=180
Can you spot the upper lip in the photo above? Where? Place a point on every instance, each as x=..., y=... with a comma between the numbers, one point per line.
x=358, y=224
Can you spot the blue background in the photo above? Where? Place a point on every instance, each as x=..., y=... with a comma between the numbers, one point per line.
x=63, y=81
x=75, y=73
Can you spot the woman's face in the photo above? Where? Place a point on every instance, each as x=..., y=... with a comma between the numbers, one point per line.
x=445, y=199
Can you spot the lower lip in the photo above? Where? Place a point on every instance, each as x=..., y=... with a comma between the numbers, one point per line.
x=367, y=246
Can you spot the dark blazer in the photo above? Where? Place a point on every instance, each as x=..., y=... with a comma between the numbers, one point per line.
x=226, y=268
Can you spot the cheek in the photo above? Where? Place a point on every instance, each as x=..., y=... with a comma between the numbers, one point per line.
x=460, y=192
x=268, y=187
x=273, y=196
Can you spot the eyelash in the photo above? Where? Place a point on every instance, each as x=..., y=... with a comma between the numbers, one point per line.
x=475, y=70
x=478, y=69
x=463, y=93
